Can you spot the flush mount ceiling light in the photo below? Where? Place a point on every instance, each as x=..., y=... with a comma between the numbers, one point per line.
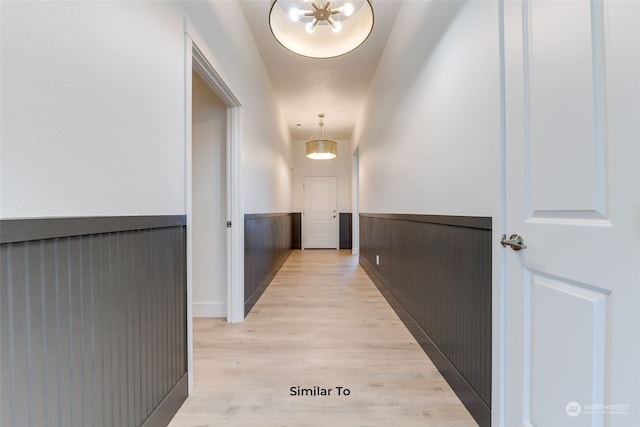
x=321, y=147
x=321, y=28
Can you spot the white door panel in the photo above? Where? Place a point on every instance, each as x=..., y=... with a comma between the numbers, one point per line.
x=320, y=228
x=563, y=346
x=572, y=105
x=564, y=74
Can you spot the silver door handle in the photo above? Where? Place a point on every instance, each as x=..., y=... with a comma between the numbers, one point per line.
x=515, y=241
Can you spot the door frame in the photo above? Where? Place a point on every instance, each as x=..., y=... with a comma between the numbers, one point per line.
x=304, y=190
x=196, y=60
x=499, y=267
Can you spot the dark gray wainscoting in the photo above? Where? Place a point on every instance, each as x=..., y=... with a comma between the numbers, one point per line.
x=435, y=271
x=93, y=314
x=296, y=230
x=345, y=232
x=267, y=245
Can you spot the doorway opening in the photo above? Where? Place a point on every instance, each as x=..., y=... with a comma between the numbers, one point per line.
x=208, y=201
x=226, y=203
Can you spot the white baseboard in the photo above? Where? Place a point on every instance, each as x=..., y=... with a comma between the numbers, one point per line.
x=209, y=309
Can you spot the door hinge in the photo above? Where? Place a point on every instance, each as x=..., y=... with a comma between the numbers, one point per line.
x=228, y=224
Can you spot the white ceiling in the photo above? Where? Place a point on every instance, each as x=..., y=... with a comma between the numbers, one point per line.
x=305, y=86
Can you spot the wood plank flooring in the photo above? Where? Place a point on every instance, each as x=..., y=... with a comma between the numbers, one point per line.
x=321, y=323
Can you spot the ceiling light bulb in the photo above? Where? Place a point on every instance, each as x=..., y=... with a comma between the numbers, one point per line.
x=348, y=9
x=294, y=14
x=290, y=20
x=310, y=27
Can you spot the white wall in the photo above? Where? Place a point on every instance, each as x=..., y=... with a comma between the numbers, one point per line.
x=93, y=107
x=209, y=202
x=429, y=138
x=339, y=167
x=265, y=137
x=92, y=110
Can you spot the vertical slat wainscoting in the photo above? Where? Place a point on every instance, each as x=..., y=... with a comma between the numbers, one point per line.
x=93, y=325
x=436, y=272
x=296, y=230
x=345, y=230
x=267, y=245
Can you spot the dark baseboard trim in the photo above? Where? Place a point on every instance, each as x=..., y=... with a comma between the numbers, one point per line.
x=255, y=296
x=467, y=395
x=480, y=222
x=27, y=229
x=169, y=406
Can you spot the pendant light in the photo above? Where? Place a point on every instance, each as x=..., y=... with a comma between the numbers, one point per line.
x=320, y=146
x=321, y=28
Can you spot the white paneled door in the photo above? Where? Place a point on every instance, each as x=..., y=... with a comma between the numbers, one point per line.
x=320, y=216
x=572, y=98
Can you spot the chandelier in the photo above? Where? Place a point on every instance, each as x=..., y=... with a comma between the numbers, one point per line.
x=320, y=146
x=321, y=28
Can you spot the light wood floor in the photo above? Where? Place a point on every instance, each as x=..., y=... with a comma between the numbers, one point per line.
x=321, y=322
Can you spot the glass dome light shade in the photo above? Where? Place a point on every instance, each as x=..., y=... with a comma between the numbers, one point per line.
x=323, y=41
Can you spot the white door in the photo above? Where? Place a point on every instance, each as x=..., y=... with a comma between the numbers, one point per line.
x=320, y=216
x=572, y=92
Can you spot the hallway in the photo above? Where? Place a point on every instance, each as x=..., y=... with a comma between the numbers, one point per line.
x=323, y=323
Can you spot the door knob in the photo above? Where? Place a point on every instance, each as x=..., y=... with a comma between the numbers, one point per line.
x=515, y=241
